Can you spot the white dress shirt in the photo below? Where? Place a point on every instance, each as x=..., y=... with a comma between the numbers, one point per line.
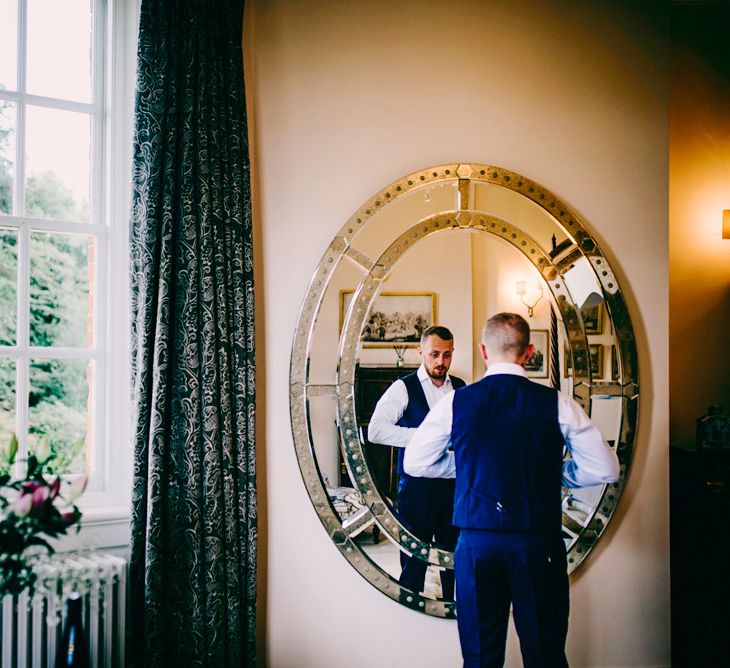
x=391, y=406
x=591, y=462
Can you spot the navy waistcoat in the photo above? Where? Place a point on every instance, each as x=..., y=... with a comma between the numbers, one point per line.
x=417, y=408
x=509, y=453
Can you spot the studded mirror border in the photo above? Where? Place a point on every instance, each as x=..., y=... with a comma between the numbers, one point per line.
x=584, y=532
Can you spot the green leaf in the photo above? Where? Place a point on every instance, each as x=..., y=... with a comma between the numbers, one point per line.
x=33, y=467
x=40, y=542
x=12, y=449
x=77, y=446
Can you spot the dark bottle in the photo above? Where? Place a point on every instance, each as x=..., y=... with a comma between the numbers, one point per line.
x=73, y=651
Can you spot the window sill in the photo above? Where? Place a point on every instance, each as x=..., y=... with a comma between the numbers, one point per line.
x=101, y=529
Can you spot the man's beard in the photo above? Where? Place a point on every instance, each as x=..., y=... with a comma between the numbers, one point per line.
x=437, y=375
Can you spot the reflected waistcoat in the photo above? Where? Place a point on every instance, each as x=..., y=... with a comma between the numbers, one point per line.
x=509, y=454
x=417, y=408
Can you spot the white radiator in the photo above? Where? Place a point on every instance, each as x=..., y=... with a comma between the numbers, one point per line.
x=32, y=627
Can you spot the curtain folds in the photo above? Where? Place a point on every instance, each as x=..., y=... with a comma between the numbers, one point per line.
x=193, y=545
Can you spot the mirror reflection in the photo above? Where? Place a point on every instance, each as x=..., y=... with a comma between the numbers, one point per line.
x=447, y=273
x=454, y=279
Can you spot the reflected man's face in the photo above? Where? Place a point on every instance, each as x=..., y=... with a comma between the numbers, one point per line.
x=436, y=354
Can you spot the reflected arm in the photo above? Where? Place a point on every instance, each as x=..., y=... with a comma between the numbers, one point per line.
x=592, y=461
x=389, y=409
x=428, y=454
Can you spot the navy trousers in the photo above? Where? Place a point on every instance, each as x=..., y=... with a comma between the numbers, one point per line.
x=426, y=506
x=495, y=569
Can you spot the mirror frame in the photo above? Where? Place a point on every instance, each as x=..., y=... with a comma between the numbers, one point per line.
x=550, y=265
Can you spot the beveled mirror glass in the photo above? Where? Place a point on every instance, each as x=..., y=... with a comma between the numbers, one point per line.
x=451, y=243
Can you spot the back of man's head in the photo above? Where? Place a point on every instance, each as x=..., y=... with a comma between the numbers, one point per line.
x=506, y=335
x=436, y=330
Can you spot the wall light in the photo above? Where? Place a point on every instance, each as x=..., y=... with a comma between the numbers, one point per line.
x=522, y=291
x=726, y=224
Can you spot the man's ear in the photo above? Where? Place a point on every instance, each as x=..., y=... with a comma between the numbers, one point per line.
x=483, y=351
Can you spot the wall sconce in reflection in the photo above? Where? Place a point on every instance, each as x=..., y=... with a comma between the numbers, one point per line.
x=726, y=224
x=522, y=292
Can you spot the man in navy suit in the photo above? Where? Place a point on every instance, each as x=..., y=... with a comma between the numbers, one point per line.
x=425, y=505
x=508, y=435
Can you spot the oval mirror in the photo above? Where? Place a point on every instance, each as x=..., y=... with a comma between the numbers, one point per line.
x=450, y=245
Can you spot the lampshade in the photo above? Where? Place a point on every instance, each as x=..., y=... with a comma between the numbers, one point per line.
x=726, y=224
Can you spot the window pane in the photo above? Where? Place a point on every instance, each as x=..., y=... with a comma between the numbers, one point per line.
x=61, y=289
x=59, y=49
x=58, y=154
x=7, y=405
x=8, y=44
x=8, y=285
x=7, y=155
x=58, y=408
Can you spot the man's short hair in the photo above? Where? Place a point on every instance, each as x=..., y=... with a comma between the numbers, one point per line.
x=506, y=333
x=436, y=330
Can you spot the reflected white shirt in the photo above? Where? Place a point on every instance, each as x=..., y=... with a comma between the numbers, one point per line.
x=391, y=406
x=591, y=461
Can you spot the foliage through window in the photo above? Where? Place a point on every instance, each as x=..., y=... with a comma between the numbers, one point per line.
x=53, y=235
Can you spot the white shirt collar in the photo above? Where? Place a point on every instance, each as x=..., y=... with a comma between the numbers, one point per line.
x=505, y=368
x=423, y=376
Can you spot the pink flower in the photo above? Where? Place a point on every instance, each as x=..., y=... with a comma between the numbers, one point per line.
x=23, y=504
x=40, y=495
x=68, y=519
x=36, y=492
x=54, y=488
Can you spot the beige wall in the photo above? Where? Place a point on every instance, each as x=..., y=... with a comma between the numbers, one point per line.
x=699, y=284
x=347, y=96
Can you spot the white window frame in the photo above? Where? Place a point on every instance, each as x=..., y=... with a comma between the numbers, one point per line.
x=106, y=503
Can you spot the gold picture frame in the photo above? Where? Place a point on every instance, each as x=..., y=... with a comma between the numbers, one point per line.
x=537, y=366
x=567, y=361
x=395, y=319
x=596, y=356
x=593, y=319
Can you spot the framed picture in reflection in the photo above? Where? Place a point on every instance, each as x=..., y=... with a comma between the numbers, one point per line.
x=567, y=361
x=537, y=365
x=395, y=319
x=596, y=353
x=593, y=318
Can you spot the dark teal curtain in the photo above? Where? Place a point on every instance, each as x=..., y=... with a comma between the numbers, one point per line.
x=193, y=545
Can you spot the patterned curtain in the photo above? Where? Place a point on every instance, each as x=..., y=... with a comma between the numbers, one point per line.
x=193, y=546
